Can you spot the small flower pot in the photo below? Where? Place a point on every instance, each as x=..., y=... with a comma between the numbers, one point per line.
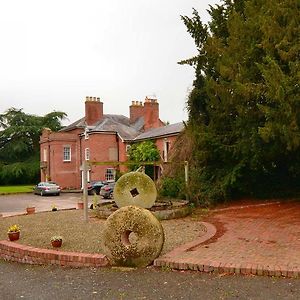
x=56, y=243
x=80, y=205
x=30, y=210
x=13, y=236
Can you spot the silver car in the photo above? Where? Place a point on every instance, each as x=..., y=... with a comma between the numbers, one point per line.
x=47, y=188
x=107, y=191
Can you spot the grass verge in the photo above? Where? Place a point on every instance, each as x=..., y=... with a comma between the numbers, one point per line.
x=15, y=189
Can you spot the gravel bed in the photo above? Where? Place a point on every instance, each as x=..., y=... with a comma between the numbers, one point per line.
x=79, y=236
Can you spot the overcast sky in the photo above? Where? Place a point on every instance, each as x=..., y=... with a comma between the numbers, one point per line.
x=54, y=53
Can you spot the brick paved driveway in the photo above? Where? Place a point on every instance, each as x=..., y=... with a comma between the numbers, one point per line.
x=260, y=239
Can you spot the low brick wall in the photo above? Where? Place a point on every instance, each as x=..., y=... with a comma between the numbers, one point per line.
x=13, y=251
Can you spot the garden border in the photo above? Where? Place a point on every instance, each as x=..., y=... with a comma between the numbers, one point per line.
x=12, y=251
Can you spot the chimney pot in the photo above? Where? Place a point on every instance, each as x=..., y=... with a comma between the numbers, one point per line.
x=136, y=110
x=151, y=113
x=93, y=110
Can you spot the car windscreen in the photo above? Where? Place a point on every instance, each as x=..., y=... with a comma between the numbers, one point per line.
x=50, y=184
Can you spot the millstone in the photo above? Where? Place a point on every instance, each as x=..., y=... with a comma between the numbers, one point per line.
x=132, y=237
x=135, y=188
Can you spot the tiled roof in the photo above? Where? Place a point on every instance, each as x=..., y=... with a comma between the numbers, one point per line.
x=119, y=124
x=127, y=131
x=161, y=131
x=77, y=124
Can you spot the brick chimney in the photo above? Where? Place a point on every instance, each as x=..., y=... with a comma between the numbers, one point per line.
x=151, y=114
x=93, y=110
x=136, y=110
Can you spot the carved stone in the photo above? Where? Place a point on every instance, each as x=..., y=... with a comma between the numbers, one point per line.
x=135, y=188
x=132, y=237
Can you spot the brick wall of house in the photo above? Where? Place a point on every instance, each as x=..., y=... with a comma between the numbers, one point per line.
x=103, y=147
x=160, y=144
x=122, y=156
x=65, y=173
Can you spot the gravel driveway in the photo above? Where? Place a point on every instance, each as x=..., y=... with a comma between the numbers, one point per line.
x=17, y=203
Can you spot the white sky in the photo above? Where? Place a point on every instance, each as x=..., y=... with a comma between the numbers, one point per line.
x=54, y=53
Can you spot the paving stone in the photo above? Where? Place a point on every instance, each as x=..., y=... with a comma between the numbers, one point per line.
x=257, y=239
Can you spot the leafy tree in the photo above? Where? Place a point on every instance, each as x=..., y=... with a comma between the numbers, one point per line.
x=19, y=144
x=244, y=110
x=144, y=152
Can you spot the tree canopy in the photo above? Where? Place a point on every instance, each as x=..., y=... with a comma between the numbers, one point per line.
x=244, y=109
x=19, y=144
x=144, y=152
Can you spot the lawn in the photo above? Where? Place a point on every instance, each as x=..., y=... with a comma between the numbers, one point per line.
x=15, y=189
x=79, y=236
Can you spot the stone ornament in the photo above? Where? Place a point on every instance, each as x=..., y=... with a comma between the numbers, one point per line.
x=135, y=188
x=132, y=237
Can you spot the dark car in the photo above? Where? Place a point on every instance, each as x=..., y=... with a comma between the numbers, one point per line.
x=47, y=188
x=107, y=190
x=95, y=186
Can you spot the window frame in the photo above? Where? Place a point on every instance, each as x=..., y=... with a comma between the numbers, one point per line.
x=45, y=154
x=86, y=134
x=67, y=155
x=87, y=153
x=110, y=176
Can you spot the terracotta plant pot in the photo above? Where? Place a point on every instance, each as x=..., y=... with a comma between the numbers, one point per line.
x=13, y=236
x=30, y=210
x=56, y=243
x=80, y=205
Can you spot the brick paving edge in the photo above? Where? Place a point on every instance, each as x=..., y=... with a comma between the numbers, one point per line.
x=174, y=260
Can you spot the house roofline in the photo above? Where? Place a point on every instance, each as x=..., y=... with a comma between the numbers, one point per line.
x=156, y=137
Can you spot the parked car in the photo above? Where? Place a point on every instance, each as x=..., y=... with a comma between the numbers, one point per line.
x=95, y=186
x=47, y=188
x=107, y=190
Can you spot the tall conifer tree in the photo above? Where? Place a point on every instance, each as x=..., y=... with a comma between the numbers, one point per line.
x=244, y=110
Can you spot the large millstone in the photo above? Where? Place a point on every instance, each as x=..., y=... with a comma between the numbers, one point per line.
x=135, y=188
x=132, y=237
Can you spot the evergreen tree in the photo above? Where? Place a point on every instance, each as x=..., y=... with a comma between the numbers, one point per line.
x=244, y=114
x=19, y=144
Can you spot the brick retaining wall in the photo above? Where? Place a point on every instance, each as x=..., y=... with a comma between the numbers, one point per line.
x=13, y=251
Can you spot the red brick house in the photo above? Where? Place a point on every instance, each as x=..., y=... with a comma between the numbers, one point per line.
x=104, y=138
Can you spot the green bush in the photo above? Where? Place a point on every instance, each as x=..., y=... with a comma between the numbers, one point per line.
x=171, y=187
